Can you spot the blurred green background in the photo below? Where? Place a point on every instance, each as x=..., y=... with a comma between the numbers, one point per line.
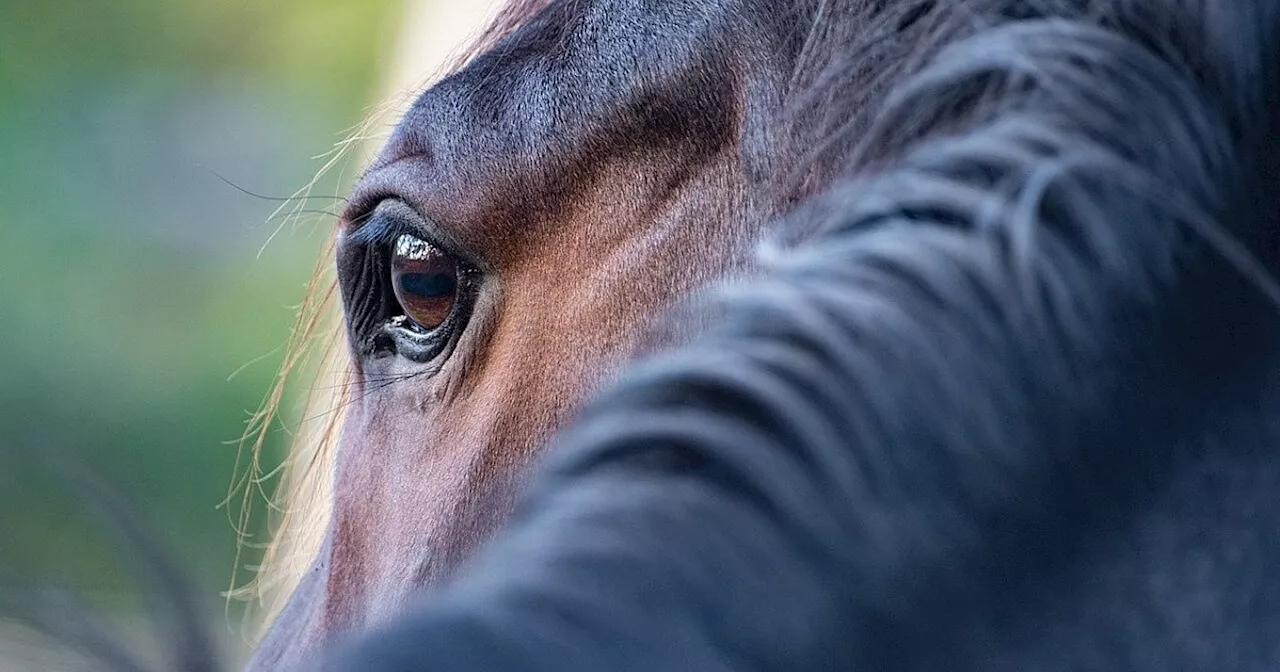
x=133, y=283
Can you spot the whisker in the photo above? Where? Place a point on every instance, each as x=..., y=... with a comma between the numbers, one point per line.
x=264, y=197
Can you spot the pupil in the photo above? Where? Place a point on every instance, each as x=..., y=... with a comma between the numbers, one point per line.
x=430, y=285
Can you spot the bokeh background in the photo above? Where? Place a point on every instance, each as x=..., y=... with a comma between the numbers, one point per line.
x=146, y=286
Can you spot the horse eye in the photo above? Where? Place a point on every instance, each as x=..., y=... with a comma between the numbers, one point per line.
x=425, y=281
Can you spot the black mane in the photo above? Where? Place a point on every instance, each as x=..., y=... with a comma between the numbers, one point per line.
x=1001, y=400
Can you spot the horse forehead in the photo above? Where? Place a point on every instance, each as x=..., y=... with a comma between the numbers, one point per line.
x=484, y=180
x=575, y=62
x=526, y=125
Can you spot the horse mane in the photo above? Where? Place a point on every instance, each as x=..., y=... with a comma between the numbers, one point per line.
x=315, y=350
x=860, y=50
x=1033, y=267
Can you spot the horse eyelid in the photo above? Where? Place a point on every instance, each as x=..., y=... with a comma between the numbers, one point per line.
x=383, y=228
x=381, y=231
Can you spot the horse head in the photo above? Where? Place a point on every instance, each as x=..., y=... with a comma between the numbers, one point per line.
x=511, y=246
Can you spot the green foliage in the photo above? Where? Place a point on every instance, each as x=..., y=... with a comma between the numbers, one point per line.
x=308, y=46
x=133, y=283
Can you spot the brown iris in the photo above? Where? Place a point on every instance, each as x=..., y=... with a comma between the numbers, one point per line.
x=425, y=281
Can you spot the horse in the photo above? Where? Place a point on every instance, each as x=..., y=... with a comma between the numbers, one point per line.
x=561, y=225
x=990, y=387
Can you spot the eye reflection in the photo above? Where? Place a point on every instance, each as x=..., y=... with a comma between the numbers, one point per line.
x=425, y=281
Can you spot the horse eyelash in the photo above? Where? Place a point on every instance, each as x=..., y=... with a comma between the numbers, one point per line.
x=381, y=231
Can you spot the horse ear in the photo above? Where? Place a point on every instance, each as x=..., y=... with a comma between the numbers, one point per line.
x=182, y=634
